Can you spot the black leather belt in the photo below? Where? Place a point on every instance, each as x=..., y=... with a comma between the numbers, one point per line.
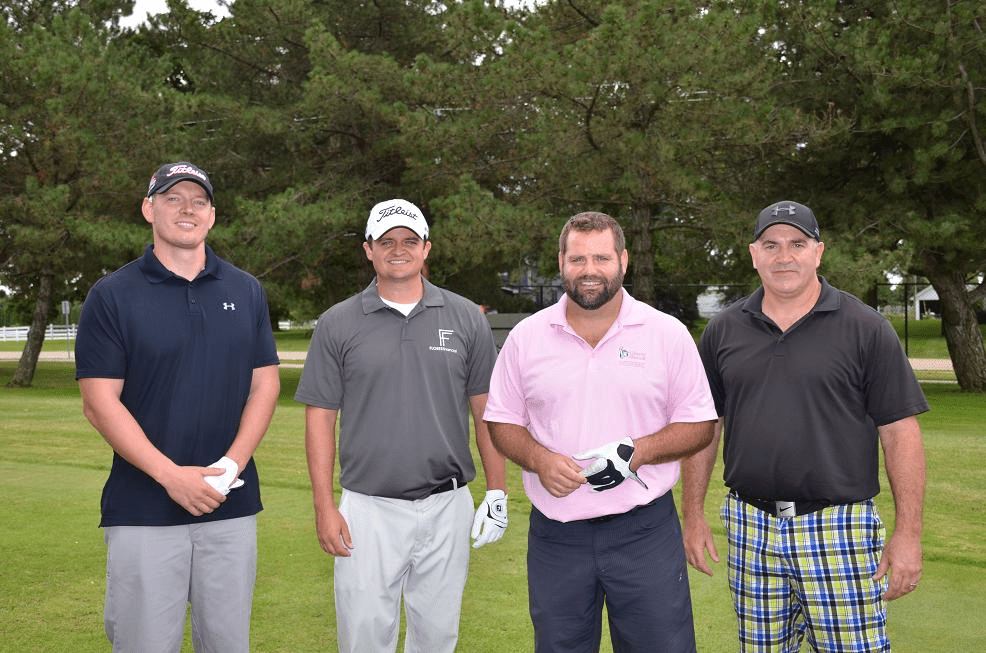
x=451, y=484
x=783, y=508
x=605, y=518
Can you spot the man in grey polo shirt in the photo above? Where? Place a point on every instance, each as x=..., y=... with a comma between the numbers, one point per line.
x=402, y=363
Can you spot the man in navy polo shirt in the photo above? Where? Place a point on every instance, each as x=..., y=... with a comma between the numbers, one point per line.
x=402, y=364
x=177, y=369
x=808, y=383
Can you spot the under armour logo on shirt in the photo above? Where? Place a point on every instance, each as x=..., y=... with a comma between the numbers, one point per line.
x=229, y=306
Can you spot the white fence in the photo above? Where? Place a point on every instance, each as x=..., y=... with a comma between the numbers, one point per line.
x=53, y=332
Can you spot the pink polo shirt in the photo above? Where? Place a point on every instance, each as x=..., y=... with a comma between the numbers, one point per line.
x=643, y=375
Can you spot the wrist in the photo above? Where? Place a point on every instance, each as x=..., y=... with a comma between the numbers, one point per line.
x=689, y=512
x=635, y=456
x=907, y=531
x=240, y=464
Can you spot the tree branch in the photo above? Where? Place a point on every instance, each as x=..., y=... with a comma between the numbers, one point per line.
x=971, y=114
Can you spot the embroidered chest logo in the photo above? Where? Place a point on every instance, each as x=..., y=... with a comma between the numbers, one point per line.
x=444, y=341
x=229, y=306
x=631, y=358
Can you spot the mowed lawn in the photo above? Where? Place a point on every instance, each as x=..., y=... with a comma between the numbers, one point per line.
x=53, y=465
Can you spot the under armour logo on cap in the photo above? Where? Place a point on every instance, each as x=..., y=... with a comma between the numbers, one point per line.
x=792, y=213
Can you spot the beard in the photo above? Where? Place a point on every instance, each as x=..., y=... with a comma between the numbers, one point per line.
x=596, y=298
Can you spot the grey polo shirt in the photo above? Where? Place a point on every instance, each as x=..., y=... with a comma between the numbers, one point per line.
x=402, y=386
x=801, y=407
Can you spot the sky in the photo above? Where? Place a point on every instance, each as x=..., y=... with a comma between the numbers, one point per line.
x=154, y=7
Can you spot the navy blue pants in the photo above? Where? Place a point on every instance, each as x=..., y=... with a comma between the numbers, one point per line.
x=633, y=563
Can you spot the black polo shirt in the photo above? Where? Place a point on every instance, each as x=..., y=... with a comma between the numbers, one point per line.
x=186, y=351
x=801, y=407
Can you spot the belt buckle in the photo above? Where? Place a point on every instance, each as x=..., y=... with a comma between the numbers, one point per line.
x=785, y=509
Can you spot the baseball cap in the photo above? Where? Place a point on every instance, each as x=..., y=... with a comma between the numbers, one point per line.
x=792, y=213
x=392, y=214
x=171, y=173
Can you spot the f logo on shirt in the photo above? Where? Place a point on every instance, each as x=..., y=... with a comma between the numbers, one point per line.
x=443, y=337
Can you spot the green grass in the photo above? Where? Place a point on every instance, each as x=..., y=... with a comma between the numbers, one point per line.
x=53, y=465
x=58, y=346
x=924, y=337
x=292, y=340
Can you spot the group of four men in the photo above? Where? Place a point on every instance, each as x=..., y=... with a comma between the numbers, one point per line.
x=601, y=399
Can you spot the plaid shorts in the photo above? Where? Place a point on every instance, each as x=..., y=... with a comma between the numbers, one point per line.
x=809, y=575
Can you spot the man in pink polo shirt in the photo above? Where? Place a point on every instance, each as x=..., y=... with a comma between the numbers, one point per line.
x=585, y=394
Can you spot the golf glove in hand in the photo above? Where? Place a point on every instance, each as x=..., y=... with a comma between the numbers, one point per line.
x=226, y=481
x=612, y=465
x=491, y=518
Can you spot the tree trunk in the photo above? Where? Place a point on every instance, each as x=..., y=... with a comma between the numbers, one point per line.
x=962, y=335
x=35, y=335
x=638, y=237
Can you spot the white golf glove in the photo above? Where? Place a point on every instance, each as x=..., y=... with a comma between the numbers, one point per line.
x=227, y=481
x=612, y=465
x=491, y=518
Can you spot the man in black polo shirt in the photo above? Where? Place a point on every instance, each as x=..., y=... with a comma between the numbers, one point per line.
x=177, y=369
x=807, y=380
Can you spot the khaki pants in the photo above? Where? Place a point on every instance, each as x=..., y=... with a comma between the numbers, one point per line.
x=418, y=550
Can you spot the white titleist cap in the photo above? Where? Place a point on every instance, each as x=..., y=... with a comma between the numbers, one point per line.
x=392, y=214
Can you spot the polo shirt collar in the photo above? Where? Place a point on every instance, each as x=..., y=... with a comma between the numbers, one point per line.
x=828, y=299
x=370, y=298
x=155, y=272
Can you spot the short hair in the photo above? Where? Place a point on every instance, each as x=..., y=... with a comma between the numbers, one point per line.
x=592, y=221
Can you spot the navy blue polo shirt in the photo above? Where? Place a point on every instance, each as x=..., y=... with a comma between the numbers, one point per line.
x=801, y=407
x=186, y=351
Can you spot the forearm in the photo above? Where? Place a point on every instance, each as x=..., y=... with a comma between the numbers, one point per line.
x=257, y=413
x=516, y=443
x=696, y=472
x=320, y=447
x=905, y=464
x=102, y=407
x=559, y=474
x=674, y=442
x=494, y=462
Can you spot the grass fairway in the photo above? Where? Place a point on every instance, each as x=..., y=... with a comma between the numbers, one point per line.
x=53, y=465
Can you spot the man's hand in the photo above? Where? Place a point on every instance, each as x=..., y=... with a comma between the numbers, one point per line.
x=902, y=559
x=559, y=474
x=333, y=532
x=228, y=479
x=612, y=465
x=491, y=519
x=187, y=487
x=698, y=539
